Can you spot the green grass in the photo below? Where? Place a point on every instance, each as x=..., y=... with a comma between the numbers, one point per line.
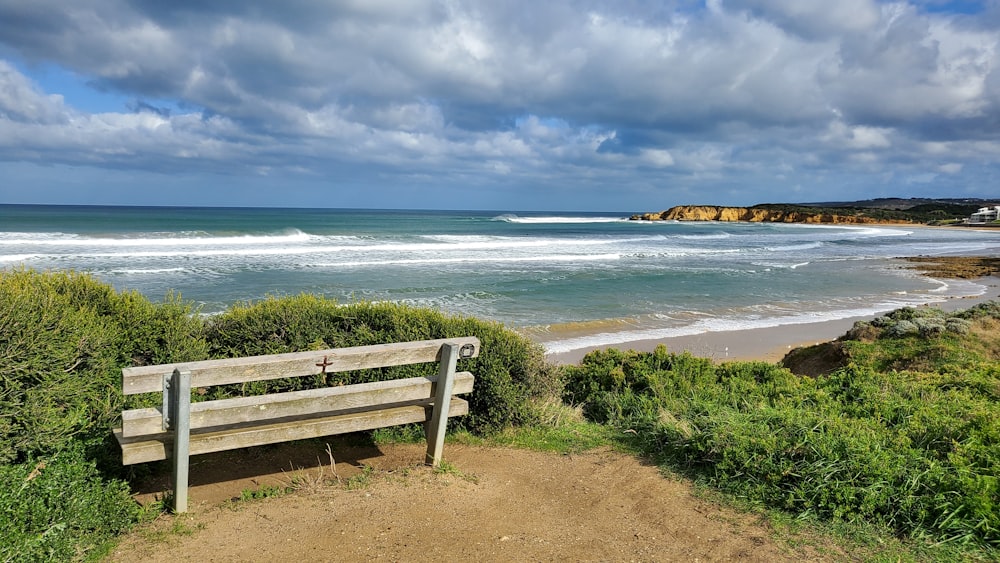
x=563, y=429
x=263, y=491
x=59, y=508
x=448, y=468
x=361, y=480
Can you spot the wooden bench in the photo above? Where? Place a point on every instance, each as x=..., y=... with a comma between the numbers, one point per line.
x=180, y=429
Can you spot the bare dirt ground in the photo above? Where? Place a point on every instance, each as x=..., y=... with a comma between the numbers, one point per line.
x=489, y=504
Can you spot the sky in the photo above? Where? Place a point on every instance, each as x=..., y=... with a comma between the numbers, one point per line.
x=572, y=105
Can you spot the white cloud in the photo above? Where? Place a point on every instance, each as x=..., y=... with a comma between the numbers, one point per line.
x=658, y=157
x=814, y=19
x=22, y=101
x=858, y=137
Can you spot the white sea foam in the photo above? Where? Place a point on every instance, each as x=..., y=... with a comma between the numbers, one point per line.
x=780, y=265
x=475, y=242
x=680, y=252
x=509, y=218
x=864, y=231
x=471, y=260
x=159, y=240
x=942, y=285
x=714, y=236
x=943, y=248
x=13, y=258
x=142, y=271
x=794, y=247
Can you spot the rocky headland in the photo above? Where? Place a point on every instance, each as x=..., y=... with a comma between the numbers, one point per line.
x=760, y=215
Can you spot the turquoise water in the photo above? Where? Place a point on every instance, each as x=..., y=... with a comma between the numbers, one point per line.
x=568, y=280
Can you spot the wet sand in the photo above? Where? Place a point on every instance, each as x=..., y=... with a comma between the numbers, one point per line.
x=766, y=344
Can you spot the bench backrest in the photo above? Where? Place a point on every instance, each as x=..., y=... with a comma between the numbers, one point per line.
x=206, y=373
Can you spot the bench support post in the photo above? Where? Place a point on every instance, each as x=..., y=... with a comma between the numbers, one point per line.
x=177, y=387
x=442, y=402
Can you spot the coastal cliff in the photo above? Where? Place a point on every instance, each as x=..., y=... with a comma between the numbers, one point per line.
x=757, y=215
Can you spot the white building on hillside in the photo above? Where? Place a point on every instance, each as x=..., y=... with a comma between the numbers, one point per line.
x=985, y=215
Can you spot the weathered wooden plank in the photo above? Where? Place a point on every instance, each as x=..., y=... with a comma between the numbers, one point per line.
x=148, y=379
x=144, y=449
x=225, y=412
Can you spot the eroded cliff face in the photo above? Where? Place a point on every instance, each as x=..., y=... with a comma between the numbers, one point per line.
x=752, y=215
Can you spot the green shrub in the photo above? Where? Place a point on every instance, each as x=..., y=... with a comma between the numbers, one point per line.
x=59, y=508
x=511, y=372
x=987, y=310
x=913, y=313
x=928, y=327
x=902, y=328
x=928, y=322
x=64, y=338
x=914, y=451
x=958, y=325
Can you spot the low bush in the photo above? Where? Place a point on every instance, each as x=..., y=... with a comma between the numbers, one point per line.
x=958, y=325
x=511, y=372
x=929, y=321
x=64, y=338
x=916, y=452
x=986, y=310
x=901, y=328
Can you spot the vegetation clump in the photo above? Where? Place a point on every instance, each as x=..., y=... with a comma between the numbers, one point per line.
x=512, y=377
x=64, y=338
x=906, y=434
x=59, y=507
x=928, y=322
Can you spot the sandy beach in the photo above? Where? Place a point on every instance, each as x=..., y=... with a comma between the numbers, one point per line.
x=768, y=344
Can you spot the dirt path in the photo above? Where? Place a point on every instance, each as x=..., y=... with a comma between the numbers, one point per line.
x=496, y=504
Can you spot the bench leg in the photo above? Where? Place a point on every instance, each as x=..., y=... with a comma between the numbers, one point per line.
x=442, y=404
x=180, y=422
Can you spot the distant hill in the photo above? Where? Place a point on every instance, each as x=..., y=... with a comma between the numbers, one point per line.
x=883, y=210
x=901, y=204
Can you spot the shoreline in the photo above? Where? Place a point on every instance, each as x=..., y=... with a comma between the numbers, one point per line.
x=768, y=344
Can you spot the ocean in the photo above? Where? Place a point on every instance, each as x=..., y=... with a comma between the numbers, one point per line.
x=567, y=280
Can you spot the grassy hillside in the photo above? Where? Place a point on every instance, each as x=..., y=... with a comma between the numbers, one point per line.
x=902, y=429
x=923, y=213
